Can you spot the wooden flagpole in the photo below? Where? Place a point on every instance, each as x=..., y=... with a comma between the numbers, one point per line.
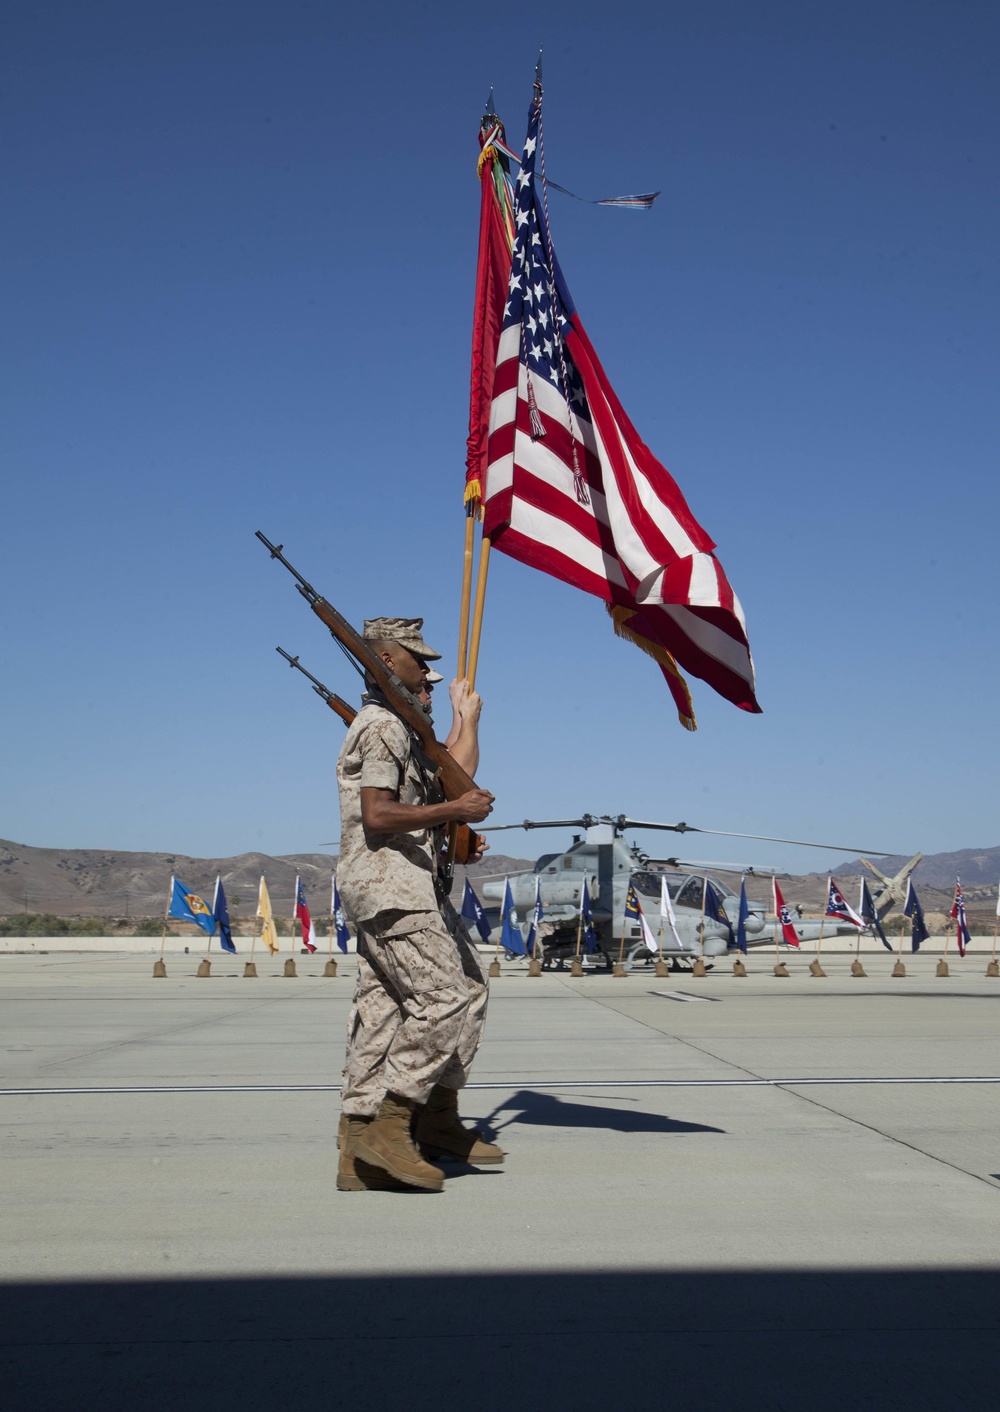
x=331, y=965
x=576, y=969
x=463, y=623
x=698, y=969
x=899, y=969
x=477, y=612
x=159, y=969
x=250, y=969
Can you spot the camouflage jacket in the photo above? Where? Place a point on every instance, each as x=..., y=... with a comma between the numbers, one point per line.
x=386, y=872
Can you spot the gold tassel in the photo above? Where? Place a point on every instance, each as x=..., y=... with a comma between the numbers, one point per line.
x=620, y=617
x=486, y=155
x=473, y=498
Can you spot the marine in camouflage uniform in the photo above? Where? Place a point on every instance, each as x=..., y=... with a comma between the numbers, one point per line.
x=420, y=1000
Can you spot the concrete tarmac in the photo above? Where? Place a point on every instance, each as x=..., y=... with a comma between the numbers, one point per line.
x=785, y=1192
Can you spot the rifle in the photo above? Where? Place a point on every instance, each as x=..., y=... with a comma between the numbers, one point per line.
x=336, y=703
x=467, y=841
x=452, y=778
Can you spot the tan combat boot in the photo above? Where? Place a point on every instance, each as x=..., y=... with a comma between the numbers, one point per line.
x=386, y=1143
x=353, y=1175
x=440, y=1133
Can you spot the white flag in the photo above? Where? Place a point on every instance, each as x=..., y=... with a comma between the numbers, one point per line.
x=647, y=933
x=998, y=901
x=667, y=910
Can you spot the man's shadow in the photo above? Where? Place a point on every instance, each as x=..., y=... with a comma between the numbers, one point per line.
x=544, y=1110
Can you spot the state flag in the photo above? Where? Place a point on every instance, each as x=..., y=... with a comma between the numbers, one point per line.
x=741, y=918
x=837, y=905
x=220, y=911
x=715, y=909
x=268, y=931
x=536, y=918
x=187, y=906
x=870, y=916
x=788, y=932
x=303, y=917
x=913, y=910
x=510, y=931
x=587, y=919
x=339, y=920
x=958, y=916
x=472, y=910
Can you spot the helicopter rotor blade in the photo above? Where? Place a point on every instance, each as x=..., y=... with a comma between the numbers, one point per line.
x=544, y=824
x=752, y=870
x=731, y=833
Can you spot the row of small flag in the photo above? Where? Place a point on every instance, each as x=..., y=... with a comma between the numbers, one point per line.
x=186, y=906
x=865, y=919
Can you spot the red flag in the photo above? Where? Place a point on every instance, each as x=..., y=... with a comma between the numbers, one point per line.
x=784, y=917
x=572, y=490
x=304, y=919
x=496, y=239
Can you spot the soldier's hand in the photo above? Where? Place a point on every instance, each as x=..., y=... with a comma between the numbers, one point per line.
x=474, y=806
x=471, y=706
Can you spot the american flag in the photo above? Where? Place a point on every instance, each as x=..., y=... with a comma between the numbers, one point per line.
x=573, y=491
x=959, y=918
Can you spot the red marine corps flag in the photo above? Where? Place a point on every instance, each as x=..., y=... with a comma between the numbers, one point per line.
x=572, y=490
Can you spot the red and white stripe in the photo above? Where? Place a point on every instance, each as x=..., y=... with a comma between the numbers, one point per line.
x=636, y=544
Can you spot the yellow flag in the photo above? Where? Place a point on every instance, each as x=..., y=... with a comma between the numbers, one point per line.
x=268, y=931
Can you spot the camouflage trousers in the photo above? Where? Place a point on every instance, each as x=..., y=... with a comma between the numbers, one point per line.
x=418, y=1012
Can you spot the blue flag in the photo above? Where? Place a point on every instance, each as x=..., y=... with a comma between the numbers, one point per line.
x=472, y=909
x=587, y=916
x=510, y=932
x=339, y=920
x=741, y=920
x=220, y=913
x=536, y=917
x=714, y=908
x=870, y=916
x=187, y=906
x=915, y=912
x=631, y=905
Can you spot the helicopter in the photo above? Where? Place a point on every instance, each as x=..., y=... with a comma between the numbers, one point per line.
x=606, y=864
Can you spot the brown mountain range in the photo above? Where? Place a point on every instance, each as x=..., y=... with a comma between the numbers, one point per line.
x=94, y=882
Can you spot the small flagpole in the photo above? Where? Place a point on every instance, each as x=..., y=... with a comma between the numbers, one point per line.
x=902, y=933
x=166, y=914
x=159, y=969
x=333, y=919
x=819, y=943
x=701, y=929
x=579, y=928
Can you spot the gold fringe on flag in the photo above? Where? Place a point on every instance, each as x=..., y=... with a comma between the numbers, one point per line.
x=474, y=497
x=620, y=617
x=486, y=155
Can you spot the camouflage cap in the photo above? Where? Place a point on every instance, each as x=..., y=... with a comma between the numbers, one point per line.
x=405, y=631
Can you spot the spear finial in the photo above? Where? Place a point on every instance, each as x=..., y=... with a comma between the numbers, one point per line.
x=488, y=111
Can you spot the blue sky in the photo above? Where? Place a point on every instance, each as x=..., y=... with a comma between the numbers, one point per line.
x=238, y=270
